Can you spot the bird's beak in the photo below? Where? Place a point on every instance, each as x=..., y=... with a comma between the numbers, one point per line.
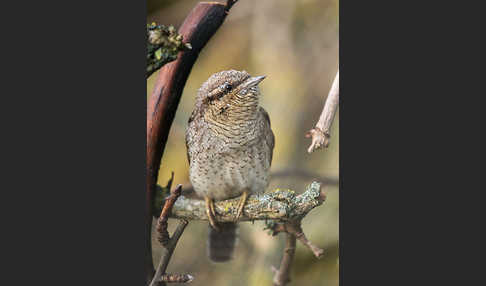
x=253, y=81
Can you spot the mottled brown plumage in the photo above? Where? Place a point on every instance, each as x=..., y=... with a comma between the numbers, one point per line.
x=229, y=147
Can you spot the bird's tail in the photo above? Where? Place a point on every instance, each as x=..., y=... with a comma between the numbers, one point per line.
x=221, y=244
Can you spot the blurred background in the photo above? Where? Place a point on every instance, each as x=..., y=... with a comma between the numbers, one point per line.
x=295, y=44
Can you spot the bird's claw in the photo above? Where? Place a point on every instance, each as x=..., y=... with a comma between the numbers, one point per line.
x=241, y=205
x=210, y=212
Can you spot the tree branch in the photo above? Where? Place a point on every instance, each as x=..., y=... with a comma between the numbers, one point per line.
x=164, y=215
x=282, y=275
x=321, y=132
x=281, y=205
x=167, y=254
x=198, y=27
x=304, y=174
x=176, y=278
x=295, y=228
x=294, y=231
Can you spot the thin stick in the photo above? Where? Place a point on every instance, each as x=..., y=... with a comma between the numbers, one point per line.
x=318, y=252
x=177, y=278
x=167, y=253
x=321, y=132
x=295, y=228
x=164, y=215
x=282, y=275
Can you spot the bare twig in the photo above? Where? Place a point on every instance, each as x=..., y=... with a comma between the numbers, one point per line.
x=295, y=228
x=169, y=243
x=294, y=231
x=282, y=275
x=230, y=3
x=164, y=215
x=318, y=252
x=321, y=132
x=281, y=205
x=167, y=253
x=177, y=278
x=198, y=27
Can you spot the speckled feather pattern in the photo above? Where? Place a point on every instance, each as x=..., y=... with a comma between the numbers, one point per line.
x=229, y=139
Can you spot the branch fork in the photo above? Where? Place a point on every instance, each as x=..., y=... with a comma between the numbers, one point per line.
x=169, y=243
x=293, y=229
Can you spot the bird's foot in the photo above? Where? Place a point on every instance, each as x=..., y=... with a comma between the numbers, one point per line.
x=211, y=213
x=241, y=205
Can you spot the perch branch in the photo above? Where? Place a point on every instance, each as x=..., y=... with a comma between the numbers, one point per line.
x=198, y=27
x=167, y=253
x=282, y=275
x=321, y=132
x=281, y=205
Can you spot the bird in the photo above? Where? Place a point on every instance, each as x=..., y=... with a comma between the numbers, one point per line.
x=230, y=146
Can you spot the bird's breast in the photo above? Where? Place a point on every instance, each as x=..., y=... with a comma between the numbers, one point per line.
x=223, y=173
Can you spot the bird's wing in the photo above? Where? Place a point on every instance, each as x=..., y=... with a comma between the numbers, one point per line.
x=188, y=134
x=269, y=137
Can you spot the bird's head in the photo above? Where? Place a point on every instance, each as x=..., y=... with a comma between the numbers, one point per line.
x=229, y=96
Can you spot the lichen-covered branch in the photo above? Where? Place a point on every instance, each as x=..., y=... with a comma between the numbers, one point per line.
x=163, y=45
x=321, y=132
x=279, y=204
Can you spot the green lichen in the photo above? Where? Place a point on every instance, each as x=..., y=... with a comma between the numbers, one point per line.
x=163, y=45
x=279, y=204
x=310, y=195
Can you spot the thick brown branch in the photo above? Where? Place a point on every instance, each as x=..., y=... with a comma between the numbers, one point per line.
x=198, y=27
x=321, y=132
x=167, y=253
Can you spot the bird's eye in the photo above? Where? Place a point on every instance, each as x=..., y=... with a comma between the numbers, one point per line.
x=227, y=87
